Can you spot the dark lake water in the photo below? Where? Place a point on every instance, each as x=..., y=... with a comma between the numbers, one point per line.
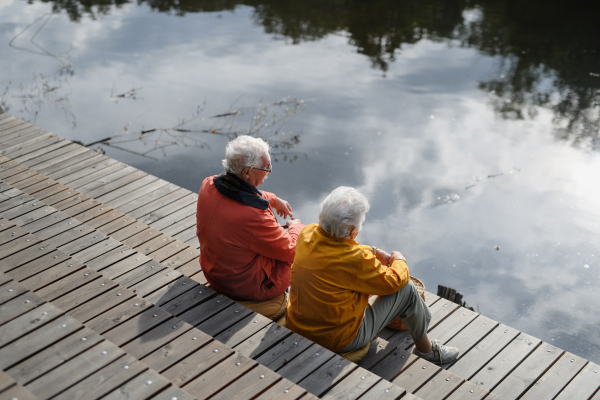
x=468, y=124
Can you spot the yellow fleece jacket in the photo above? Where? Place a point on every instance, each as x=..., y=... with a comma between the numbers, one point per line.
x=330, y=285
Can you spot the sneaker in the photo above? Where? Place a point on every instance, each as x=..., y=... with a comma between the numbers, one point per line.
x=439, y=354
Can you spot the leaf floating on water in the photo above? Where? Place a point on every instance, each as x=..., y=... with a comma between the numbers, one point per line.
x=496, y=247
x=586, y=266
x=593, y=74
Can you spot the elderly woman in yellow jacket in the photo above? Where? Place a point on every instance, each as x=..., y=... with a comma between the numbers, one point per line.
x=333, y=277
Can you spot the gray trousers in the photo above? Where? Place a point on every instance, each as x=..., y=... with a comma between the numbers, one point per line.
x=405, y=303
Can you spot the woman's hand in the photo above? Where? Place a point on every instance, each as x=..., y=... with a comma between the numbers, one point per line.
x=396, y=255
x=283, y=208
x=382, y=256
x=292, y=222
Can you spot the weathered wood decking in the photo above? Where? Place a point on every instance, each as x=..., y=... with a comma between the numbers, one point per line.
x=102, y=296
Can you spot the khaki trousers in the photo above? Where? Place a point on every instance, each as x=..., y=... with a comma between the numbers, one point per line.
x=272, y=308
x=405, y=303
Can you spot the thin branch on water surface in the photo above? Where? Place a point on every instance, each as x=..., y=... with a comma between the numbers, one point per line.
x=264, y=123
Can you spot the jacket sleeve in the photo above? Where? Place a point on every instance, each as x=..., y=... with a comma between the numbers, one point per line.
x=372, y=277
x=270, y=196
x=269, y=239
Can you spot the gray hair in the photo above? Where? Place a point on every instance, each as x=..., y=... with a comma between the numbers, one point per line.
x=342, y=210
x=244, y=152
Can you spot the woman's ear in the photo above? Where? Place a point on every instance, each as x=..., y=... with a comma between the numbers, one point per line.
x=353, y=233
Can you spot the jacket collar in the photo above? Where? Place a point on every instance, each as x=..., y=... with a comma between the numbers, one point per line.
x=236, y=189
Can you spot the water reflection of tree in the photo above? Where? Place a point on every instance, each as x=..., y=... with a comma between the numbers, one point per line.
x=551, y=59
x=549, y=47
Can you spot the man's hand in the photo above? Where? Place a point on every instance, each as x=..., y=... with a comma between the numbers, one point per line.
x=396, y=255
x=283, y=208
x=292, y=222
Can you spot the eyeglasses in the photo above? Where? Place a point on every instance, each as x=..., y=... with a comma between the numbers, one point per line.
x=268, y=170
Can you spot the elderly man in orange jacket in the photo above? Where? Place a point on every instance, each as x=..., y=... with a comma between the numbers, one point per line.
x=244, y=253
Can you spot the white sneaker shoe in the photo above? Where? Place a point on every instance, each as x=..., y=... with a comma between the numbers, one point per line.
x=439, y=354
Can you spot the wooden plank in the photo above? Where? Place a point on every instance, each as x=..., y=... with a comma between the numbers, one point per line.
x=187, y=235
x=249, y=385
x=19, y=306
x=191, y=298
x=105, y=380
x=74, y=370
x=584, y=385
x=156, y=338
x=243, y=329
x=83, y=294
x=138, y=274
x=106, y=218
x=101, y=304
x=556, y=378
x=99, y=258
x=60, y=197
x=135, y=235
x=137, y=326
x=169, y=251
x=184, y=224
x=416, y=375
x=84, y=172
x=53, y=356
x=187, y=255
x=35, y=341
x=353, y=386
x=28, y=322
x=63, y=232
x=148, y=286
x=168, y=210
x=472, y=333
x=393, y=364
x=282, y=390
x=139, y=194
x=122, y=267
x=176, y=217
x=46, y=221
x=174, y=392
x=197, y=363
x=10, y=290
x=41, y=151
x=5, y=381
x=470, y=391
x=99, y=175
x=119, y=314
x=528, y=372
x=284, y=351
x=225, y=319
x=76, y=241
x=385, y=390
x=469, y=363
x=440, y=386
x=154, y=244
x=305, y=363
x=330, y=373
x=20, y=135
x=30, y=146
x=147, y=212
x=55, y=156
x=68, y=284
x=193, y=242
x=506, y=361
x=39, y=265
x=12, y=128
x=75, y=162
x=171, y=291
x=18, y=392
x=378, y=350
x=49, y=275
x=116, y=184
x=109, y=197
x=192, y=269
x=171, y=353
x=144, y=202
x=221, y=375
x=105, y=181
x=122, y=222
x=143, y=386
x=74, y=205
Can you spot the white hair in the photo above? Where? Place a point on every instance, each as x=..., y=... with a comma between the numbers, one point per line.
x=244, y=152
x=342, y=210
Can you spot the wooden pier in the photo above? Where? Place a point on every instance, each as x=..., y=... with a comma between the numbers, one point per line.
x=102, y=296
